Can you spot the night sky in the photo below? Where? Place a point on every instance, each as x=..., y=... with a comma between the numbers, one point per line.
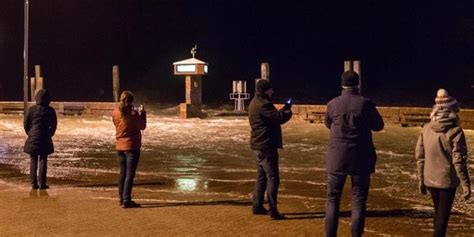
x=408, y=50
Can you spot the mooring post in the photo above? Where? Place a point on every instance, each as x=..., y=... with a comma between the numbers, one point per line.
x=264, y=73
x=265, y=70
x=358, y=70
x=32, y=88
x=348, y=65
x=355, y=66
x=39, y=83
x=116, y=82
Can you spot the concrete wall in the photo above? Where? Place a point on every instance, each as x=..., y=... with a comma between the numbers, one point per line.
x=403, y=116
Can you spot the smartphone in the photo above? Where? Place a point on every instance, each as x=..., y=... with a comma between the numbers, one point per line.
x=289, y=101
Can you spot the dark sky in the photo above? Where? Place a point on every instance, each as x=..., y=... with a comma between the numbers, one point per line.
x=407, y=50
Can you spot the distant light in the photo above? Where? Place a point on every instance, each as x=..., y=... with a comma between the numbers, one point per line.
x=205, y=69
x=186, y=68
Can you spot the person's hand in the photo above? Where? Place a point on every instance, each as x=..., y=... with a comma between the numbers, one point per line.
x=466, y=192
x=422, y=188
x=141, y=108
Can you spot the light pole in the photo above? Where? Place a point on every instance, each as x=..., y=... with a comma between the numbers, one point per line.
x=25, y=58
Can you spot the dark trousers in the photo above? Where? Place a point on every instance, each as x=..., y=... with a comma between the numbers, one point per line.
x=442, y=201
x=268, y=179
x=128, y=166
x=43, y=169
x=360, y=191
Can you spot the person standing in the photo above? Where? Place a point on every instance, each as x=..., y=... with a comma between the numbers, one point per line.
x=40, y=124
x=441, y=154
x=265, y=140
x=129, y=121
x=351, y=119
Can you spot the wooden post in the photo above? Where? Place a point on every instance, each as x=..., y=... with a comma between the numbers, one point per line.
x=116, y=82
x=358, y=70
x=356, y=67
x=348, y=65
x=32, y=88
x=265, y=71
x=38, y=81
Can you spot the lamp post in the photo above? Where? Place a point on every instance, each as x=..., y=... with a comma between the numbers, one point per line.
x=25, y=58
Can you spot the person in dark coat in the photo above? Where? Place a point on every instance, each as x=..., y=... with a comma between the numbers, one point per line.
x=265, y=140
x=40, y=125
x=441, y=154
x=351, y=119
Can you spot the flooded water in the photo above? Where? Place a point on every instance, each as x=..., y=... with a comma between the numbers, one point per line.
x=210, y=159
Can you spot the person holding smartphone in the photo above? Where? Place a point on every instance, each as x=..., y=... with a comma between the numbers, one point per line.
x=265, y=140
x=129, y=120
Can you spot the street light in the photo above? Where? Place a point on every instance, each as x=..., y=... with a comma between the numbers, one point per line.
x=25, y=58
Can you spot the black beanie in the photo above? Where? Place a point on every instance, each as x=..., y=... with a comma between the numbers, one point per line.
x=350, y=79
x=263, y=85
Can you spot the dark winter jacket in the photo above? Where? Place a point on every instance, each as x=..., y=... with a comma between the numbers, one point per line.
x=441, y=154
x=40, y=124
x=265, y=121
x=351, y=119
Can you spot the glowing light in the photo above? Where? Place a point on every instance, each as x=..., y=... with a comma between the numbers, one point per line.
x=186, y=68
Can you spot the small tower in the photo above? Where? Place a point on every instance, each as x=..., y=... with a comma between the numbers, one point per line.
x=192, y=69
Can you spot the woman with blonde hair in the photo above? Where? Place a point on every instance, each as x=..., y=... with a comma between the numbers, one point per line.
x=129, y=121
x=441, y=154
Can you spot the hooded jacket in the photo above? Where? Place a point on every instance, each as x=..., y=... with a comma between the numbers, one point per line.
x=441, y=155
x=351, y=119
x=265, y=121
x=40, y=123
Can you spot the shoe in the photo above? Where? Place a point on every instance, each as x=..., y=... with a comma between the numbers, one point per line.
x=278, y=216
x=260, y=211
x=44, y=186
x=34, y=186
x=130, y=204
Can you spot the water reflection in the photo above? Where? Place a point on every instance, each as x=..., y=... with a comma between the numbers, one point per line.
x=186, y=184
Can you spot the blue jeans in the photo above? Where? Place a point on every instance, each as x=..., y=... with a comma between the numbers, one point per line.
x=43, y=169
x=360, y=191
x=128, y=166
x=268, y=179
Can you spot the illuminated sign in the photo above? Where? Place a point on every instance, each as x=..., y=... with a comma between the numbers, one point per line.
x=186, y=68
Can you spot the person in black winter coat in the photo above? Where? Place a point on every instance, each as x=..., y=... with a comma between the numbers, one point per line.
x=265, y=139
x=40, y=125
x=351, y=119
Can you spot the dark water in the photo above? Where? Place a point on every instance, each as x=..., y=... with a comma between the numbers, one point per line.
x=192, y=160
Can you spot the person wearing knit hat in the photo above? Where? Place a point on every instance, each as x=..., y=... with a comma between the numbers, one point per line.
x=265, y=140
x=441, y=154
x=351, y=119
x=445, y=106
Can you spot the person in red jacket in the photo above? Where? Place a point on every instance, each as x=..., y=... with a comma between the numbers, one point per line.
x=129, y=121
